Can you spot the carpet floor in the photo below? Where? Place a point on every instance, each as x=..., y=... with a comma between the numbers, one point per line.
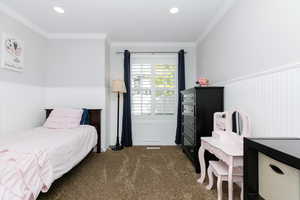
x=132, y=174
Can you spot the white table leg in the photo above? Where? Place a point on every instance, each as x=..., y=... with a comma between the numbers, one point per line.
x=202, y=164
x=230, y=180
x=219, y=188
x=210, y=178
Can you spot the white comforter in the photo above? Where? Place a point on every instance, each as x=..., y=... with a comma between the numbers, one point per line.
x=64, y=148
x=24, y=175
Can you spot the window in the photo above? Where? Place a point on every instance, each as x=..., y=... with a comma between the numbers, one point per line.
x=154, y=88
x=141, y=83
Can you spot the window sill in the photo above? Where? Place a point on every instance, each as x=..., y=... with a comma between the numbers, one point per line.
x=152, y=119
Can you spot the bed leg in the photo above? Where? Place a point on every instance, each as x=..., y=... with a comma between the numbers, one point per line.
x=98, y=148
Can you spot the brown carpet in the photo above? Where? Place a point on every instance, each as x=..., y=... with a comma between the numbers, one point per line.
x=132, y=174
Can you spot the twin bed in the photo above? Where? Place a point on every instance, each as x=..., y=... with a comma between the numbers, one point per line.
x=32, y=160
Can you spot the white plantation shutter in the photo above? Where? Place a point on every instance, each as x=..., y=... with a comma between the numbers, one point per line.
x=141, y=83
x=165, y=89
x=154, y=89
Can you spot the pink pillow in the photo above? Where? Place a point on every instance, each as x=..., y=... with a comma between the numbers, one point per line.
x=64, y=118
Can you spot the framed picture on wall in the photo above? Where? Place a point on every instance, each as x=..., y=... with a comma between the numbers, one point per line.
x=12, y=53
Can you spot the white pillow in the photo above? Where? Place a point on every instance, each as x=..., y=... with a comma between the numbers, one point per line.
x=64, y=118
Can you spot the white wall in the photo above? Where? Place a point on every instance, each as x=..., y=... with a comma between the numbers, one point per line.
x=75, y=75
x=154, y=126
x=34, y=52
x=253, y=36
x=253, y=51
x=107, y=93
x=75, y=62
x=58, y=72
x=20, y=107
x=21, y=95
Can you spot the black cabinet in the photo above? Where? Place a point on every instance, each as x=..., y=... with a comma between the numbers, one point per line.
x=198, y=107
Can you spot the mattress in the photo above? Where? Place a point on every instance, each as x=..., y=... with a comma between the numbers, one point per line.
x=65, y=147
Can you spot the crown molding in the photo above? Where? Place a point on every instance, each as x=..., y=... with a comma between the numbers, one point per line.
x=76, y=36
x=153, y=44
x=11, y=13
x=222, y=11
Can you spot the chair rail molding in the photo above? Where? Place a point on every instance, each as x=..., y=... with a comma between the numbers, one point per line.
x=281, y=68
x=271, y=98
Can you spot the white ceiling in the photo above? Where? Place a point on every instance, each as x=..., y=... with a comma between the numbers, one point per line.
x=122, y=20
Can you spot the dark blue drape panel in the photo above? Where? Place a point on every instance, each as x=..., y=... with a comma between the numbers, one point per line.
x=126, y=139
x=181, y=86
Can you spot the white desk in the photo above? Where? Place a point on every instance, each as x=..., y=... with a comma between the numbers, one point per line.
x=228, y=150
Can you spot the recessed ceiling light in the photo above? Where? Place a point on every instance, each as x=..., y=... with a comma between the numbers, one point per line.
x=58, y=9
x=174, y=10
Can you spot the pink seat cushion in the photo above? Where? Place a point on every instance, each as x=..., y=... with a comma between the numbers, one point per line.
x=64, y=118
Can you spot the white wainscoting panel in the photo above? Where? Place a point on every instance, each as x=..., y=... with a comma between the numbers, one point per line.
x=272, y=99
x=20, y=107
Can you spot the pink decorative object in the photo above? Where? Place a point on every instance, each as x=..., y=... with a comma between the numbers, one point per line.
x=64, y=119
x=203, y=82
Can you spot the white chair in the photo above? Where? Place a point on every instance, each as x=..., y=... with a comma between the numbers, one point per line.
x=220, y=170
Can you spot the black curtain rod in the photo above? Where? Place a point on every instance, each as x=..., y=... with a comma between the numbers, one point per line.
x=150, y=52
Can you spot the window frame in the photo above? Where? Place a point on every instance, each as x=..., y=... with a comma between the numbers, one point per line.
x=153, y=60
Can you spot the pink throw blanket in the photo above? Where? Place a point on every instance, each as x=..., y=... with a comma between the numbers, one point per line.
x=24, y=175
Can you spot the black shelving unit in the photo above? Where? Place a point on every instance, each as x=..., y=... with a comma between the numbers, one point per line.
x=198, y=107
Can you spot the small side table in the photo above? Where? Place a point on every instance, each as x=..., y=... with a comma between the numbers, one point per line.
x=229, y=152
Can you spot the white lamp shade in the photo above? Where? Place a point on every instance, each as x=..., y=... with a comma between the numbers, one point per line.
x=118, y=86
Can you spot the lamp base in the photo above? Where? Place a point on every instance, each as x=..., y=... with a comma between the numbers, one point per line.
x=117, y=148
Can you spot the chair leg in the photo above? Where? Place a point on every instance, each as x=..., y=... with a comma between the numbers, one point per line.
x=210, y=178
x=219, y=188
x=242, y=191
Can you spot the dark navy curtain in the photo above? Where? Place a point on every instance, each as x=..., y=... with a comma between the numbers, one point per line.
x=181, y=86
x=126, y=139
